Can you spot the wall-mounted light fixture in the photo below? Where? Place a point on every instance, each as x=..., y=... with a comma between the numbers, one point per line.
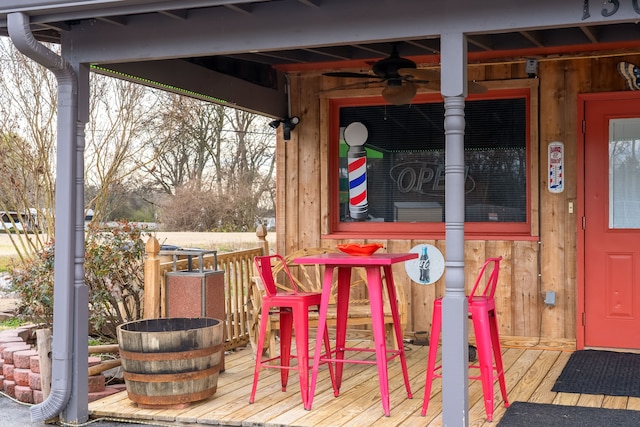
x=288, y=124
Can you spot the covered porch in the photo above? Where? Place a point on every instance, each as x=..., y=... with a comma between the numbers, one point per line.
x=530, y=370
x=290, y=45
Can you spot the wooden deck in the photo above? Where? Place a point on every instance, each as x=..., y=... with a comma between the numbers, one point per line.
x=530, y=374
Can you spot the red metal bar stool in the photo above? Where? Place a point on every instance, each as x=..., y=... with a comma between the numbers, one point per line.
x=482, y=311
x=293, y=308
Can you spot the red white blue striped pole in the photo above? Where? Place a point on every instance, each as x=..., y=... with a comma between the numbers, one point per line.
x=355, y=135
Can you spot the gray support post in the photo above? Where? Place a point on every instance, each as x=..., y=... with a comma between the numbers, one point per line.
x=455, y=368
x=63, y=276
x=77, y=409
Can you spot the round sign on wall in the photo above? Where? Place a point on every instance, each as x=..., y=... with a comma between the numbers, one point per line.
x=428, y=267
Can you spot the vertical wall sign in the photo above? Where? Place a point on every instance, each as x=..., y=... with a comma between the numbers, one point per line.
x=355, y=135
x=428, y=267
x=555, y=180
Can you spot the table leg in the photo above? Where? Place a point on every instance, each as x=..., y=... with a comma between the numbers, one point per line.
x=393, y=303
x=322, y=323
x=374, y=282
x=342, y=314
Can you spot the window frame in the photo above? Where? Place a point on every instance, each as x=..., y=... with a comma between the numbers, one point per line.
x=527, y=230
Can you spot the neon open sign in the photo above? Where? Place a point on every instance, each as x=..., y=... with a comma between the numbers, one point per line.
x=424, y=178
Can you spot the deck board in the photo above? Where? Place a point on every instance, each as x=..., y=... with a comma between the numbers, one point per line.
x=543, y=393
x=529, y=372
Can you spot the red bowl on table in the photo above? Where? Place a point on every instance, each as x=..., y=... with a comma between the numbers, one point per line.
x=359, y=249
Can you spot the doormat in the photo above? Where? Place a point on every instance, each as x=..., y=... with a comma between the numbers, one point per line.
x=524, y=414
x=600, y=372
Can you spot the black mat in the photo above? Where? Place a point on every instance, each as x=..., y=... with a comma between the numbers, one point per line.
x=601, y=372
x=522, y=414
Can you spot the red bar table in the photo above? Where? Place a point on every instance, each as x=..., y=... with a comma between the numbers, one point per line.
x=373, y=265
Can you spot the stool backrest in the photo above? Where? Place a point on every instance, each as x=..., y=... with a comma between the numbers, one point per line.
x=264, y=267
x=492, y=282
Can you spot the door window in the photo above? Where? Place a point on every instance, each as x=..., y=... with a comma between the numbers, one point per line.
x=624, y=173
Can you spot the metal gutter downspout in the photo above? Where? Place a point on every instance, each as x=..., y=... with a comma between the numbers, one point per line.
x=63, y=316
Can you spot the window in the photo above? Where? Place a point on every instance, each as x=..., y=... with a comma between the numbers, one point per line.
x=624, y=180
x=404, y=160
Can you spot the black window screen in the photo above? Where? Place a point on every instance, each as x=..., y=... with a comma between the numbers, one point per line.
x=405, y=159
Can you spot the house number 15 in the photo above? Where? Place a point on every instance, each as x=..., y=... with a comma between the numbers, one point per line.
x=605, y=11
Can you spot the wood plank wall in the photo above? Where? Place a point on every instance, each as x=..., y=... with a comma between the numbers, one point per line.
x=530, y=267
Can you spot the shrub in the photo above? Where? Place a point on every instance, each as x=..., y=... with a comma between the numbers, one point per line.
x=114, y=274
x=33, y=281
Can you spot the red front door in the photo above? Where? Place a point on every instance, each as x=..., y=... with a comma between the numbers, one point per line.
x=612, y=221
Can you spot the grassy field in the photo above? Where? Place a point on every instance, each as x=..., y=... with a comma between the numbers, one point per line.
x=5, y=262
x=6, y=247
x=222, y=242
x=7, y=252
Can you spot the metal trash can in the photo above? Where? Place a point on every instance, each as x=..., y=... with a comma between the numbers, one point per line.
x=195, y=292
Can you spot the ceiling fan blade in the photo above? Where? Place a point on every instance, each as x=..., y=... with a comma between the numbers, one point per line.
x=431, y=79
x=431, y=85
x=419, y=74
x=358, y=85
x=347, y=74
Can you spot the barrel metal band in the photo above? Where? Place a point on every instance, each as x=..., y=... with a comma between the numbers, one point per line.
x=173, y=399
x=166, y=378
x=175, y=355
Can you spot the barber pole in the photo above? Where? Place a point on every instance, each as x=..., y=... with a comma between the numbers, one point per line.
x=355, y=135
x=358, y=204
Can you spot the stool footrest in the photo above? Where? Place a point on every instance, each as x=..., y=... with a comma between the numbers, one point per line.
x=295, y=367
x=265, y=361
x=391, y=354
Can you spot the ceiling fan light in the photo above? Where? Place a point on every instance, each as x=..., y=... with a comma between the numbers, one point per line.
x=399, y=95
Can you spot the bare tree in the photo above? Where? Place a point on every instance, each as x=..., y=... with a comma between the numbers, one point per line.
x=250, y=172
x=119, y=137
x=219, y=159
x=27, y=129
x=190, y=134
x=239, y=183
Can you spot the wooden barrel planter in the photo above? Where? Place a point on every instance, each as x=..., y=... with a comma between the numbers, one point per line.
x=172, y=361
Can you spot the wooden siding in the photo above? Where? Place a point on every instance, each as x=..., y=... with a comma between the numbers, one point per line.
x=530, y=267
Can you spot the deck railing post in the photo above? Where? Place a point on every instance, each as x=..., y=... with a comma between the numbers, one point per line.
x=261, y=232
x=152, y=279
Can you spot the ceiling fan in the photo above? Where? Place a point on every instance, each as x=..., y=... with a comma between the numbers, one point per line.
x=399, y=78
